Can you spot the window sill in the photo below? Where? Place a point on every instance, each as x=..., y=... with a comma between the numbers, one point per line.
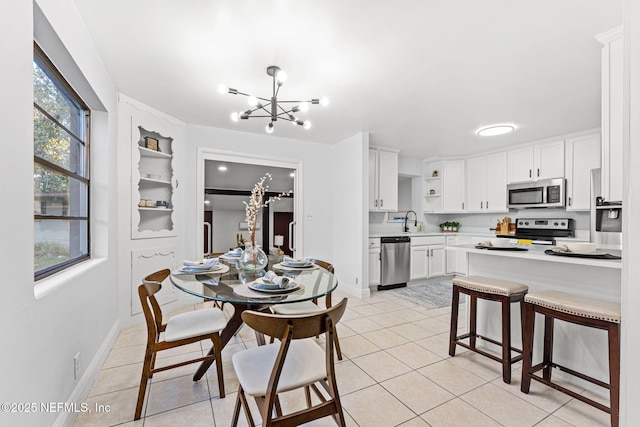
x=44, y=287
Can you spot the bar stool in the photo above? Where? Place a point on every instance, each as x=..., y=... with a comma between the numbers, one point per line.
x=578, y=310
x=503, y=291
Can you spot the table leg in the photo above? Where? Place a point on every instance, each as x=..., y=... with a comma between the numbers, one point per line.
x=233, y=326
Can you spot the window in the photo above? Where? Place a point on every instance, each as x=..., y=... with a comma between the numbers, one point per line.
x=60, y=173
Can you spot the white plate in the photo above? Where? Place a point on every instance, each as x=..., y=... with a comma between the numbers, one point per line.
x=260, y=287
x=199, y=269
x=266, y=285
x=297, y=264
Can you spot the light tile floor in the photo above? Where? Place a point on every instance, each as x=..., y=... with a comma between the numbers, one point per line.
x=395, y=372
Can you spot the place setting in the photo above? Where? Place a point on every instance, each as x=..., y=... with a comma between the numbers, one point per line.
x=295, y=264
x=204, y=266
x=580, y=250
x=499, y=244
x=268, y=286
x=232, y=255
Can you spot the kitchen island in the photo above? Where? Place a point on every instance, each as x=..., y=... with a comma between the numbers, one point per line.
x=583, y=349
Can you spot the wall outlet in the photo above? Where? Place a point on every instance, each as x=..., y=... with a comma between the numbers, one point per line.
x=76, y=366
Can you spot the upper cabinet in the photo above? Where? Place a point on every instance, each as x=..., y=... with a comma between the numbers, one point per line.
x=486, y=183
x=383, y=180
x=612, y=113
x=453, y=181
x=582, y=155
x=540, y=161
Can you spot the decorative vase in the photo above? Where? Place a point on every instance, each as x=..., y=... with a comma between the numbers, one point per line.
x=253, y=258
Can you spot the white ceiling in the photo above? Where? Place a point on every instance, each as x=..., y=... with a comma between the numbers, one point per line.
x=419, y=75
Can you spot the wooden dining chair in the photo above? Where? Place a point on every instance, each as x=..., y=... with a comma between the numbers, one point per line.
x=293, y=363
x=179, y=330
x=308, y=307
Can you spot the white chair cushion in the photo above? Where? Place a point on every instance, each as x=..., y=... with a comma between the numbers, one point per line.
x=302, y=307
x=490, y=285
x=304, y=364
x=577, y=305
x=194, y=323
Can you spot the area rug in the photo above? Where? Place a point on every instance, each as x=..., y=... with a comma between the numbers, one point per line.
x=430, y=295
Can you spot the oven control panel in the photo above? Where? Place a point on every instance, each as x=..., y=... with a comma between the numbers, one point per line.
x=544, y=224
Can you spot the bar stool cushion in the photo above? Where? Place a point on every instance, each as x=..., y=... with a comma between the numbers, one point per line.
x=576, y=305
x=490, y=285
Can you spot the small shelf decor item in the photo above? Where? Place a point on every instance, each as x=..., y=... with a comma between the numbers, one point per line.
x=434, y=174
x=432, y=192
x=151, y=143
x=449, y=226
x=253, y=258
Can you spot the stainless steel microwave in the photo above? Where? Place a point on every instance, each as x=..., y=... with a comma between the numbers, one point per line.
x=547, y=193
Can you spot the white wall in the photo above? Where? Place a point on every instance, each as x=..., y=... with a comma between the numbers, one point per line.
x=317, y=169
x=77, y=310
x=350, y=213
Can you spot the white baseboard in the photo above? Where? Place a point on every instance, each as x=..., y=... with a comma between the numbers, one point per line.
x=81, y=391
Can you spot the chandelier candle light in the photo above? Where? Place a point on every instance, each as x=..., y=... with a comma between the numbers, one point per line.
x=273, y=106
x=254, y=258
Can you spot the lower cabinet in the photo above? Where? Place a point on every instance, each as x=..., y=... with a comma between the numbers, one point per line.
x=374, y=261
x=457, y=261
x=427, y=257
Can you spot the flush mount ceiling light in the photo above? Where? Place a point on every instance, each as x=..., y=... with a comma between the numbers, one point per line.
x=273, y=106
x=495, y=130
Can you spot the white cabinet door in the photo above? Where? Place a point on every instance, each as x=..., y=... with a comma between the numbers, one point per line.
x=475, y=186
x=462, y=266
x=612, y=113
x=549, y=160
x=521, y=165
x=437, y=261
x=388, y=181
x=419, y=266
x=582, y=155
x=374, y=266
x=373, y=180
x=496, y=183
x=453, y=186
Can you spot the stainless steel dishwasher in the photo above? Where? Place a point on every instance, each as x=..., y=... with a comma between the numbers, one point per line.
x=395, y=257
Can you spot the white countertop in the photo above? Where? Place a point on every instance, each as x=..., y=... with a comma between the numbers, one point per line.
x=537, y=254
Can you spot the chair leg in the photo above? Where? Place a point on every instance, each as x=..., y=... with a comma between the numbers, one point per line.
x=236, y=409
x=144, y=380
x=218, y=352
x=453, y=333
x=527, y=344
x=548, y=347
x=506, y=340
x=336, y=342
x=473, y=311
x=614, y=373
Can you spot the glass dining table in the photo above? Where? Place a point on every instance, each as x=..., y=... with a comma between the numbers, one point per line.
x=244, y=290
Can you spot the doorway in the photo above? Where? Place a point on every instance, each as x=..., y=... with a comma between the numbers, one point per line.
x=281, y=222
x=238, y=174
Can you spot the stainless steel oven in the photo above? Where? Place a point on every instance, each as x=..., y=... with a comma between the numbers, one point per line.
x=547, y=193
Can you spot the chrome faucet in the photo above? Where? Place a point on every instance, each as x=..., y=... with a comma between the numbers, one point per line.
x=405, y=228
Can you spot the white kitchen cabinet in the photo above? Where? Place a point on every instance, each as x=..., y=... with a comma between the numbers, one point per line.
x=612, y=113
x=582, y=155
x=453, y=191
x=374, y=261
x=539, y=161
x=457, y=261
x=427, y=257
x=486, y=183
x=383, y=180
x=432, y=187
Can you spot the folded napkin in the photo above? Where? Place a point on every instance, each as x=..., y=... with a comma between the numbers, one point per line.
x=288, y=259
x=273, y=278
x=235, y=251
x=487, y=243
x=561, y=248
x=208, y=262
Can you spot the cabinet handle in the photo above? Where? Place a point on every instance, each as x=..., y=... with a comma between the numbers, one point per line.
x=481, y=205
x=487, y=204
x=569, y=201
x=381, y=202
x=427, y=252
x=529, y=173
x=431, y=252
x=538, y=172
x=462, y=205
x=375, y=203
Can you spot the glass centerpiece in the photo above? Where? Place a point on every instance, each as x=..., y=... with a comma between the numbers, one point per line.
x=253, y=258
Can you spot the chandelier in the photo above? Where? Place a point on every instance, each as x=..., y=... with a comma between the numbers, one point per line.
x=274, y=108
